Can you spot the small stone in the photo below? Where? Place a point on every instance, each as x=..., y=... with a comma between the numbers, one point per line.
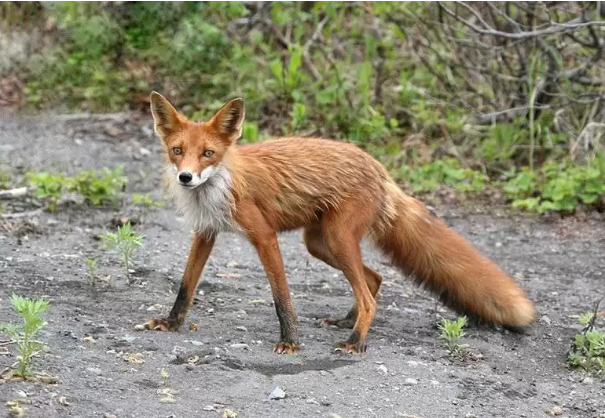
x=555, y=410
x=545, y=320
x=240, y=345
x=208, y=408
x=94, y=370
x=312, y=401
x=383, y=369
x=588, y=380
x=139, y=327
x=410, y=382
x=167, y=399
x=277, y=393
x=241, y=328
x=108, y=415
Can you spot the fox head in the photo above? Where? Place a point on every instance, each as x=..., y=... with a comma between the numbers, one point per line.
x=196, y=149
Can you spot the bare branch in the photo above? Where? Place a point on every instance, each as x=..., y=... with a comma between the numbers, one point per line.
x=555, y=28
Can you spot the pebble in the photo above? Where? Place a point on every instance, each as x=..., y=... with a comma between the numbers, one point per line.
x=241, y=328
x=545, y=320
x=240, y=345
x=383, y=369
x=410, y=382
x=555, y=410
x=588, y=381
x=208, y=408
x=139, y=327
x=277, y=393
x=94, y=370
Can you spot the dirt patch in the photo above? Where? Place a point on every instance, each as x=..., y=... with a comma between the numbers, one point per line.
x=104, y=368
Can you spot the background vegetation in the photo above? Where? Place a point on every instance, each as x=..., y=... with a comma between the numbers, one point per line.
x=506, y=98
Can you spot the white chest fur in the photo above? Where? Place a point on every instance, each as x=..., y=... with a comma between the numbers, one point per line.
x=207, y=208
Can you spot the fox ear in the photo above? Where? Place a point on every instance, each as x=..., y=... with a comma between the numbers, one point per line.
x=165, y=117
x=229, y=120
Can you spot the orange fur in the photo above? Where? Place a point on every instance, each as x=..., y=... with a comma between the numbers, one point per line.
x=337, y=193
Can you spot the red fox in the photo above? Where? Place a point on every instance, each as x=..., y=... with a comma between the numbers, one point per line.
x=335, y=192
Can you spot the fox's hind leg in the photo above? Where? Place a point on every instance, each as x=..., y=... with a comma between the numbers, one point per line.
x=342, y=231
x=316, y=245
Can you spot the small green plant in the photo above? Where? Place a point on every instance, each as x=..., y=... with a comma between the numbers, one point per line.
x=588, y=348
x=146, y=201
x=448, y=172
x=25, y=334
x=557, y=186
x=451, y=332
x=47, y=187
x=125, y=241
x=91, y=265
x=101, y=186
x=96, y=187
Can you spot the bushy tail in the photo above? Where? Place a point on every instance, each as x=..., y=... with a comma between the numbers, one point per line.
x=448, y=265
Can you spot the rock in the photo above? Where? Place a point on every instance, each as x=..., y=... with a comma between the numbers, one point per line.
x=240, y=345
x=545, y=320
x=312, y=401
x=277, y=393
x=94, y=370
x=555, y=411
x=410, y=382
x=139, y=327
x=383, y=369
x=588, y=380
x=208, y=408
x=241, y=328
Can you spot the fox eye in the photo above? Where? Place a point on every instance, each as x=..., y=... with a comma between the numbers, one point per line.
x=177, y=151
x=208, y=153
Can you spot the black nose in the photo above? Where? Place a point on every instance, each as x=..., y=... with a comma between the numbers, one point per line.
x=185, y=177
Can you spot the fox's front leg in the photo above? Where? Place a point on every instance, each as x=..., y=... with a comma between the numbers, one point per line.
x=201, y=247
x=264, y=239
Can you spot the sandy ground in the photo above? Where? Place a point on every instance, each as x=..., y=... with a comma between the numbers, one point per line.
x=228, y=363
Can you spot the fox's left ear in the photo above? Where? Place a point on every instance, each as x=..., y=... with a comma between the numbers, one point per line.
x=229, y=120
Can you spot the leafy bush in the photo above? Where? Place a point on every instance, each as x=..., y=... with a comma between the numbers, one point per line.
x=430, y=176
x=557, y=186
x=96, y=187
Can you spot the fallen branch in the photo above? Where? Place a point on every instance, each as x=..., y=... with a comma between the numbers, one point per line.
x=29, y=214
x=13, y=193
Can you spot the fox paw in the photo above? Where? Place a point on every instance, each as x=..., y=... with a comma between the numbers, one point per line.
x=163, y=324
x=285, y=348
x=351, y=348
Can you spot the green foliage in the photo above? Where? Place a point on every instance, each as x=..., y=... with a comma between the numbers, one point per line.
x=91, y=265
x=557, y=186
x=313, y=69
x=430, y=176
x=47, y=187
x=451, y=332
x=146, y=201
x=101, y=186
x=125, y=241
x=25, y=334
x=588, y=348
x=96, y=187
